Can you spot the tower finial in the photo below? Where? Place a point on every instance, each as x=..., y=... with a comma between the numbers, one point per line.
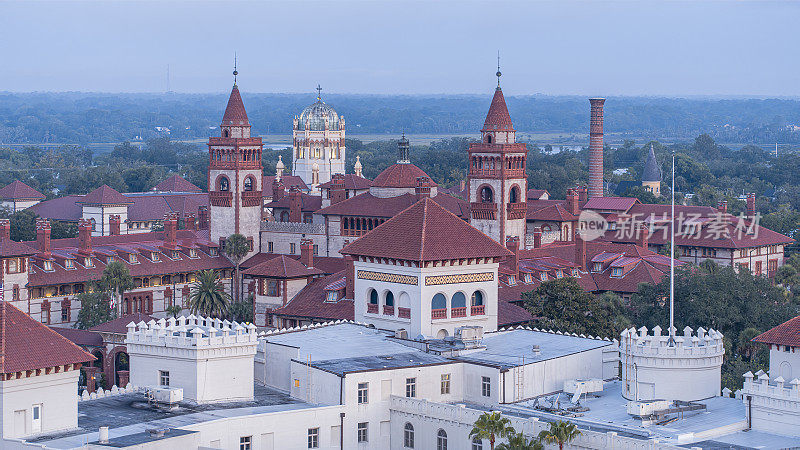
x=498, y=70
x=235, y=72
x=319, y=93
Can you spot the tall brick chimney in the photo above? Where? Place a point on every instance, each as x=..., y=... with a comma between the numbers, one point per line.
x=423, y=188
x=580, y=252
x=572, y=202
x=350, y=273
x=338, y=192
x=582, y=195
x=114, y=224
x=43, y=236
x=512, y=244
x=85, y=237
x=171, y=229
x=191, y=222
x=295, y=205
x=307, y=252
x=596, y=147
x=722, y=207
x=202, y=218
x=278, y=190
x=5, y=229
x=537, y=237
x=643, y=236
x=751, y=204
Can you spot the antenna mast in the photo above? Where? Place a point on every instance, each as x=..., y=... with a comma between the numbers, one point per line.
x=672, y=260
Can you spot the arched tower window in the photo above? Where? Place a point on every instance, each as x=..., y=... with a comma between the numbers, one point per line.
x=514, y=195
x=225, y=133
x=439, y=301
x=248, y=184
x=477, y=298
x=223, y=184
x=373, y=297
x=459, y=300
x=487, y=196
x=488, y=138
x=441, y=440
x=389, y=298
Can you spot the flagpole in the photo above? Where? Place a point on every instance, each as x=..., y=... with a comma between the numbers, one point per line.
x=672, y=261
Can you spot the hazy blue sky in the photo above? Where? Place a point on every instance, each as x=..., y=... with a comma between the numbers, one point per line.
x=563, y=47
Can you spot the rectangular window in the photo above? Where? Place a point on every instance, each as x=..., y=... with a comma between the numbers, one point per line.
x=363, y=432
x=411, y=387
x=272, y=288
x=313, y=438
x=486, y=386
x=65, y=313
x=363, y=393
x=163, y=377
x=270, y=247
x=246, y=443
x=445, y=383
x=316, y=250
x=292, y=248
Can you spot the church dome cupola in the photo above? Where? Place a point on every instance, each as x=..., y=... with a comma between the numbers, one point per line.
x=318, y=116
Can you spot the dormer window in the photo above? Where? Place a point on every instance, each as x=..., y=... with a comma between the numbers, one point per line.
x=212, y=251
x=87, y=262
x=154, y=257
x=512, y=280
x=543, y=276
x=332, y=297
x=176, y=254
x=597, y=267
x=69, y=264
x=133, y=259
x=616, y=272
x=574, y=272
x=109, y=260
x=528, y=278
x=559, y=274
x=192, y=253
x=48, y=265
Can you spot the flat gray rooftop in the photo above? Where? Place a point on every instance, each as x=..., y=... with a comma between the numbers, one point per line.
x=129, y=415
x=341, y=341
x=507, y=349
x=394, y=361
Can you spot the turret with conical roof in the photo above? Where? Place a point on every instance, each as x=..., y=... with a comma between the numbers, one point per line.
x=651, y=175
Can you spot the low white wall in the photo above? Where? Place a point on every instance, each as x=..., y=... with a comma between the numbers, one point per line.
x=56, y=392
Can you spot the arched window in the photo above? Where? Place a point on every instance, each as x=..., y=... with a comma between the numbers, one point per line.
x=439, y=302
x=373, y=297
x=477, y=298
x=248, y=184
x=224, y=184
x=408, y=436
x=284, y=216
x=389, y=299
x=225, y=132
x=513, y=197
x=477, y=444
x=459, y=300
x=441, y=440
x=489, y=138
x=486, y=195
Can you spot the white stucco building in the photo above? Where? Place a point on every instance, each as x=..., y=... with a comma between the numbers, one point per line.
x=318, y=144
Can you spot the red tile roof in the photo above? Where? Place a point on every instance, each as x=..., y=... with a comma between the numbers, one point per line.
x=425, y=232
x=351, y=181
x=787, y=333
x=509, y=314
x=310, y=302
x=308, y=203
x=553, y=212
x=610, y=203
x=12, y=248
x=400, y=175
x=120, y=324
x=144, y=206
x=287, y=180
x=536, y=194
x=105, y=195
x=18, y=190
x=367, y=204
x=235, y=113
x=282, y=266
x=498, y=117
x=60, y=208
x=176, y=183
x=26, y=344
x=327, y=264
x=83, y=338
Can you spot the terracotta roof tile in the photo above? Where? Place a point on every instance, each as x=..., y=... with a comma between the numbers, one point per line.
x=509, y=314
x=120, y=324
x=425, y=232
x=26, y=344
x=282, y=266
x=787, y=333
x=367, y=204
x=17, y=190
x=105, y=195
x=308, y=203
x=235, y=114
x=287, y=180
x=83, y=338
x=351, y=181
x=610, y=203
x=310, y=302
x=498, y=117
x=400, y=175
x=176, y=183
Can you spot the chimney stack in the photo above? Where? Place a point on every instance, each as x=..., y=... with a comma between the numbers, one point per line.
x=171, y=229
x=423, y=188
x=114, y=224
x=643, y=236
x=572, y=202
x=307, y=252
x=722, y=207
x=43, y=236
x=351, y=275
x=580, y=252
x=191, y=223
x=277, y=190
x=337, y=189
x=295, y=205
x=537, y=237
x=751, y=205
x=202, y=218
x=84, y=237
x=5, y=229
x=596, y=147
x=512, y=244
x=582, y=195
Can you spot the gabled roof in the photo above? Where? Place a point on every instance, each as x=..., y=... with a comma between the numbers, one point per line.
x=13, y=248
x=537, y=194
x=351, y=181
x=367, y=204
x=105, y=195
x=787, y=333
x=235, y=114
x=400, y=175
x=308, y=203
x=26, y=344
x=554, y=212
x=287, y=180
x=426, y=232
x=17, y=190
x=176, y=183
x=120, y=324
x=498, y=117
x=282, y=266
x=310, y=302
x=610, y=203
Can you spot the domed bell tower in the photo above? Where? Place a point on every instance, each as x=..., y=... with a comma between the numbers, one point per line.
x=497, y=183
x=318, y=143
x=235, y=176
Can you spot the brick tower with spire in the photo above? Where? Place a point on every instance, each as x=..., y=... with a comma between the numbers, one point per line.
x=235, y=176
x=497, y=184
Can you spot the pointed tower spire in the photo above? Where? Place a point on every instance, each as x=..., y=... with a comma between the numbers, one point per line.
x=235, y=72
x=235, y=114
x=499, y=74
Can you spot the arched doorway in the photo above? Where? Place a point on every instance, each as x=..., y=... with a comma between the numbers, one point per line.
x=441, y=334
x=121, y=362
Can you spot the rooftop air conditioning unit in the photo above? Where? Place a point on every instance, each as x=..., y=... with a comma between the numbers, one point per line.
x=401, y=333
x=164, y=394
x=469, y=334
x=536, y=349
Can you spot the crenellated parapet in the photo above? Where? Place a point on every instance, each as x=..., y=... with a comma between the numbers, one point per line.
x=696, y=346
x=191, y=332
x=773, y=403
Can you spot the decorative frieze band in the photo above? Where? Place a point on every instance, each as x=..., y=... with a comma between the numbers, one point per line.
x=459, y=278
x=387, y=277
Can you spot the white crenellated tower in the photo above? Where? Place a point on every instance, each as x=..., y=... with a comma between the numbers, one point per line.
x=318, y=143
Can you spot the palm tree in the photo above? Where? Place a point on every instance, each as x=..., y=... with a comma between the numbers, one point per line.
x=560, y=433
x=236, y=247
x=491, y=425
x=518, y=441
x=747, y=348
x=174, y=310
x=208, y=296
x=116, y=280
